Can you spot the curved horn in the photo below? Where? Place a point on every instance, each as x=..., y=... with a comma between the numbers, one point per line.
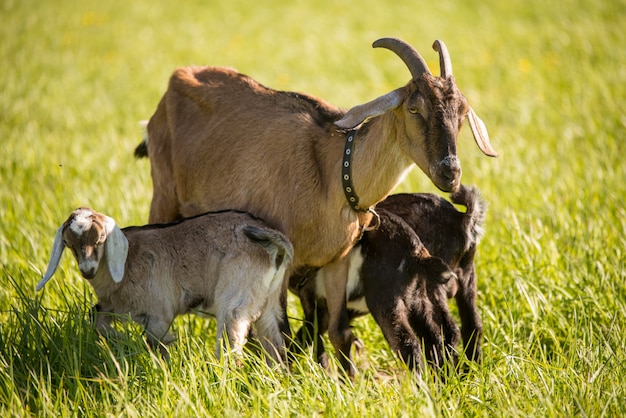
x=445, y=64
x=413, y=60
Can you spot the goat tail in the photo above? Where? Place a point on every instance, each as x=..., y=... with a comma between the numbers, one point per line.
x=142, y=149
x=476, y=205
x=274, y=242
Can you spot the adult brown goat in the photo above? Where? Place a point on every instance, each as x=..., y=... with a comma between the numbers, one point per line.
x=220, y=140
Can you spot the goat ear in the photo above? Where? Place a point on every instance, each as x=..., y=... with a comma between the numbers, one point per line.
x=437, y=270
x=55, y=257
x=116, y=246
x=479, y=130
x=358, y=114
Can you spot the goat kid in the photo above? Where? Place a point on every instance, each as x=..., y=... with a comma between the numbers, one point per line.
x=453, y=236
x=228, y=264
x=408, y=305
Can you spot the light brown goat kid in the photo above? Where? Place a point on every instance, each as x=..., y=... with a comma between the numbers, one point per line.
x=227, y=264
x=220, y=140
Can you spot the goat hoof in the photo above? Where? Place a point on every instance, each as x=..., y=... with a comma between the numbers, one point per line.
x=358, y=345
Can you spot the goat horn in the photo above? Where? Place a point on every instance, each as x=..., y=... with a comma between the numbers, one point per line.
x=445, y=64
x=413, y=60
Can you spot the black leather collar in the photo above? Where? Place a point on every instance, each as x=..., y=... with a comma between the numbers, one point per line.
x=346, y=179
x=346, y=173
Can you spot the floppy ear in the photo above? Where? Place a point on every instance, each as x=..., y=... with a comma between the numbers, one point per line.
x=55, y=257
x=437, y=270
x=479, y=130
x=116, y=247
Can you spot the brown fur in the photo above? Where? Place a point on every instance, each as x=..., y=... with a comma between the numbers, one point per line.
x=220, y=140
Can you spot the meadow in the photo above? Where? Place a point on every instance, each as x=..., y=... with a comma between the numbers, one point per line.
x=547, y=77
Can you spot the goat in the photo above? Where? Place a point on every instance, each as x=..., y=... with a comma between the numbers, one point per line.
x=378, y=275
x=452, y=236
x=220, y=140
x=228, y=264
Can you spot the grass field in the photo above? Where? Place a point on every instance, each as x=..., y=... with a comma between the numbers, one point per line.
x=547, y=77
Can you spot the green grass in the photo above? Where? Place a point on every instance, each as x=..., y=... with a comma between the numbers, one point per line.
x=547, y=77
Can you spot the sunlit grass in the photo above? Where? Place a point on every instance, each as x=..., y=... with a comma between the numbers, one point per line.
x=548, y=78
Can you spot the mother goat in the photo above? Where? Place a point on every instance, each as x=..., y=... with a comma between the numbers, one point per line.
x=220, y=140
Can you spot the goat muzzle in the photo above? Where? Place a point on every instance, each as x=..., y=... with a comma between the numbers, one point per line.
x=88, y=268
x=446, y=174
x=88, y=274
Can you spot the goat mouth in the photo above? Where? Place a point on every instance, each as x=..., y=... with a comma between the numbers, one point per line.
x=446, y=183
x=447, y=179
x=88, y=274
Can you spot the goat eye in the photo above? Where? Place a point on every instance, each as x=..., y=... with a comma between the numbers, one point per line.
x=413, y=110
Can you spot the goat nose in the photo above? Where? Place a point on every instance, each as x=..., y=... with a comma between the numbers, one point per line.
x=450, y=167
x=88, y=271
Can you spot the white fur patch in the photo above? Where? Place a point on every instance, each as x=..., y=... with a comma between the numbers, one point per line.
x=354, y=282
x=268, y=277
x=354, y=276
x=355, y=259
x=402, y=265
x=81, y=221
x=358, y=305
x=320, y=289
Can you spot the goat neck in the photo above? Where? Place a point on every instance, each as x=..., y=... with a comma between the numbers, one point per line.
x=378, y=164
x=102, y=282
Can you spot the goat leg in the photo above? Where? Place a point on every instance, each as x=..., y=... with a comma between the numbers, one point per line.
x=427, y=323
x=339, y=332
x=471, y=323
x=304, y=336
x=315, y=325
x=234, y=329
x=443, y=325
x=268, y=330
x=283, y=321
x=399, y=334
x=157, y=334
